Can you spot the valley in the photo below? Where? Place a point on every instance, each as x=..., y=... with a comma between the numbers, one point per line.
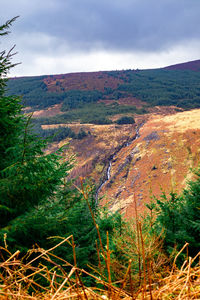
x=156, y=154
x=126, y=162
x=99, y=171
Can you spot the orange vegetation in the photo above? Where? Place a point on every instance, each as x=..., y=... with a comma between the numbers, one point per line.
x=93, y=152
x=81, y=81
x=63, y=280
x=160, y=160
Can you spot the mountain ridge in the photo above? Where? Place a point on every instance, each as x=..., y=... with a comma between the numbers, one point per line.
x=189, y=65
x=192, y=65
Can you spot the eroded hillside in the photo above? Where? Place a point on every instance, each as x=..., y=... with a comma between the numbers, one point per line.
x=94, y=151
x=160, y=160
x=157, y=160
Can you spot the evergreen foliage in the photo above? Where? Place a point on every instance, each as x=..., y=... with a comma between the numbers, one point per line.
x=36, y=200
x=163, y=87
x=28, y=176
x=125, y=120
x=179, y=217
x=94, y=113
x=137, y=244
x=58, y=134
x=33, y=91
x=76, y=98
x=155, y=87
x=59, y=217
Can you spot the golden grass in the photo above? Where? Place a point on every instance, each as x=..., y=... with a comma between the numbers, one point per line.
x=181, y=121
x=18, y=279
x=166, y=161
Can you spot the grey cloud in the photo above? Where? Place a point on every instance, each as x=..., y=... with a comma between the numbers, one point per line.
x=128, y=31
x=122, y=25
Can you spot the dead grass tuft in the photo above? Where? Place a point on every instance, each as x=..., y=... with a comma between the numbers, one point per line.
x=28, y=277
x=18, y=280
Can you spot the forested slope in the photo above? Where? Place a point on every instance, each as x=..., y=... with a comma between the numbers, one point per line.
x=175, y=85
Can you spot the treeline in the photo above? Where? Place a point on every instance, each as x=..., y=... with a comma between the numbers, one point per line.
x=94, y=113
x=164, y=87
x=34, y=93
x=58, y=134
x=156, y=87
x=76, y=98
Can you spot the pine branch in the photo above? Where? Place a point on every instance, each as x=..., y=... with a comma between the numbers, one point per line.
x=4, y=27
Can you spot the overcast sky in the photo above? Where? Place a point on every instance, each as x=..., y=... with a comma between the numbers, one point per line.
x=62, y=36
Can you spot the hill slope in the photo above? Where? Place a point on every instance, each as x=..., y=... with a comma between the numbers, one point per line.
x=174, y=85
x=160, y=160
x=191, y=65
x=121, y=165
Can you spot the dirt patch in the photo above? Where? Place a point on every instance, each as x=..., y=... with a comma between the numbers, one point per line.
x=49, y=112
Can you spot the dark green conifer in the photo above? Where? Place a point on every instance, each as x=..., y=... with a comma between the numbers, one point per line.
x=36, y=201
x=28, y=176
x=179, y=218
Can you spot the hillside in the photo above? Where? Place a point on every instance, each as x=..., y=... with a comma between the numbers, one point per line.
x=129, y=133
x=152, y=155
x=174, y=85
x=191, y=65
x=160, y=160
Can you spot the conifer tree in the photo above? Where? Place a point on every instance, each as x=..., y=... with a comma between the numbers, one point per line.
x=35, y=200
x=179, y=218
x=28, y=176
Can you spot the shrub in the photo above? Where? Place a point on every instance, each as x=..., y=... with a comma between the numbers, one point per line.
x=178, y=216
x=125, y=120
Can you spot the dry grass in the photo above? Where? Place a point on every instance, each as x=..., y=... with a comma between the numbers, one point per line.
x=183, y=121
x=18, y=280
x=28, y=277
x=165, y=153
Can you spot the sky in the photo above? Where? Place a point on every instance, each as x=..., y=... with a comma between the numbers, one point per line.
x=64, y=36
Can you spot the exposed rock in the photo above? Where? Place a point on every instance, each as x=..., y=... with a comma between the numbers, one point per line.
x=135, y=178
x=152, y=136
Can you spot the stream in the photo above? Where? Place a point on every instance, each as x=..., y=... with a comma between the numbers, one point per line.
x=111, y=159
